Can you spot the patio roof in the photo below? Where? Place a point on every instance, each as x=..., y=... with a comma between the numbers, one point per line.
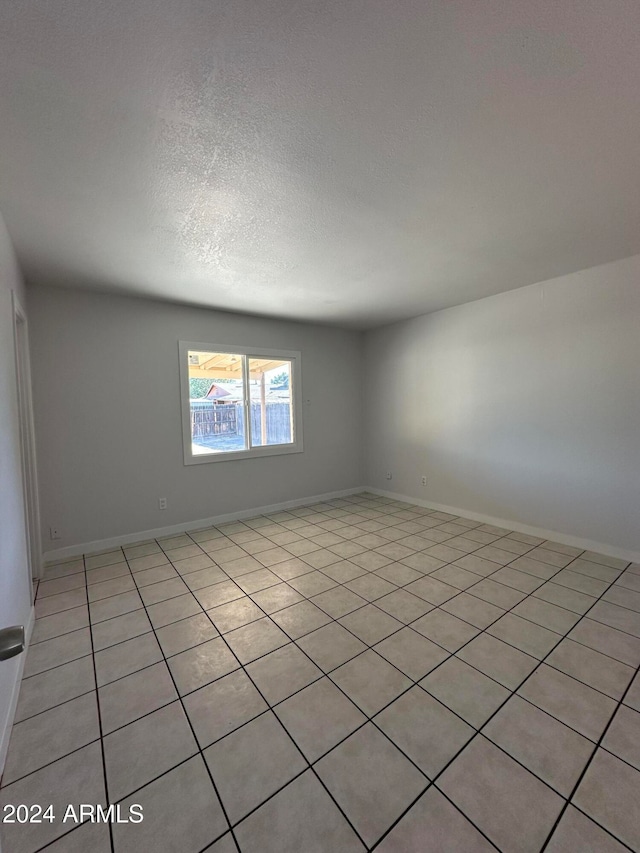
x=207, y=365
x=223, y=365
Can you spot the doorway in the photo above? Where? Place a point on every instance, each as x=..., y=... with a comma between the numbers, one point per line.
x=27, y=439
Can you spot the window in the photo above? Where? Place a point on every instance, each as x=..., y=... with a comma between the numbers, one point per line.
x=238, y=403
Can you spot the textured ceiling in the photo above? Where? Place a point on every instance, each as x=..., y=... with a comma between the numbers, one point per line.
x=345, y=162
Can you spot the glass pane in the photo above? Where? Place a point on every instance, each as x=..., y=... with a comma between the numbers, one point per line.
x=271, y=401
x=216, y=402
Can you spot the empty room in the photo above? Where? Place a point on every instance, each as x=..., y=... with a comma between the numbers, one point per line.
x=319, y=426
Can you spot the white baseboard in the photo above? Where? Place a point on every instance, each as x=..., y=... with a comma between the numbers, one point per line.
x=554, y=535
x=61, y=554
x=5, y=731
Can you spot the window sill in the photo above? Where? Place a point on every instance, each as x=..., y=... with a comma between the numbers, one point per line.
x=254, y=453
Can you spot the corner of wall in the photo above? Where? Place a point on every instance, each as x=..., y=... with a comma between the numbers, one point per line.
x=15, y=602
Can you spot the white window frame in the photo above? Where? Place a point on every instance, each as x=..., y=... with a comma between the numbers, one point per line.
x=295, y=384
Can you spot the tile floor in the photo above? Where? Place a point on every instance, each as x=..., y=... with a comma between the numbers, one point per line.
x=351, y=675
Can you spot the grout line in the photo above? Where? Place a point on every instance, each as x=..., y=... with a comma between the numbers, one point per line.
x=338, y=584
x=600, y=826
x=55, y=760
x=197, y=743
x=307, y=598
x=97, y=700
x=590, y=761
x=609, y=750
x=269, y=708
x=496, y=711
x=369, y=647
x=370, y=719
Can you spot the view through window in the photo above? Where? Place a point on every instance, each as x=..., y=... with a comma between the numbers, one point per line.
x=239, y=403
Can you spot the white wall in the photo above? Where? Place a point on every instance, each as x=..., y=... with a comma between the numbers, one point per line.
x=15, y=599
x=523, y=406
x=107, y=409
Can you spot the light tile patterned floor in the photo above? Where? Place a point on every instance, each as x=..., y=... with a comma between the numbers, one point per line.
x=352, y=675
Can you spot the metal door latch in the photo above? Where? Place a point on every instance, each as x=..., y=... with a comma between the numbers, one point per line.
x=11, y=641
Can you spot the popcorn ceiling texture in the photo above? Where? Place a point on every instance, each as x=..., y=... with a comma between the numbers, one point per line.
x=350, y=163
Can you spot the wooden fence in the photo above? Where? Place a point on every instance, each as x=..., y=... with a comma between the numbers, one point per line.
x=208, y=419
x=212, y=419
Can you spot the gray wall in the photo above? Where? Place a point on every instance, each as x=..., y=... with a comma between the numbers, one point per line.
x=15, y=599
x=523, y=406
x=107, y=408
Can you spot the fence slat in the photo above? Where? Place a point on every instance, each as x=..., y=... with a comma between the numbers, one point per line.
x=211, y=419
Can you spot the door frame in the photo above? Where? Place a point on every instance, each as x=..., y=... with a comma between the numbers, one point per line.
x=27, y=437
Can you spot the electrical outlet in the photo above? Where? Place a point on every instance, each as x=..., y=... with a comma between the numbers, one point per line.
x=424, y=481
x=54, y=533
x=162, y=503
x=388, y=475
